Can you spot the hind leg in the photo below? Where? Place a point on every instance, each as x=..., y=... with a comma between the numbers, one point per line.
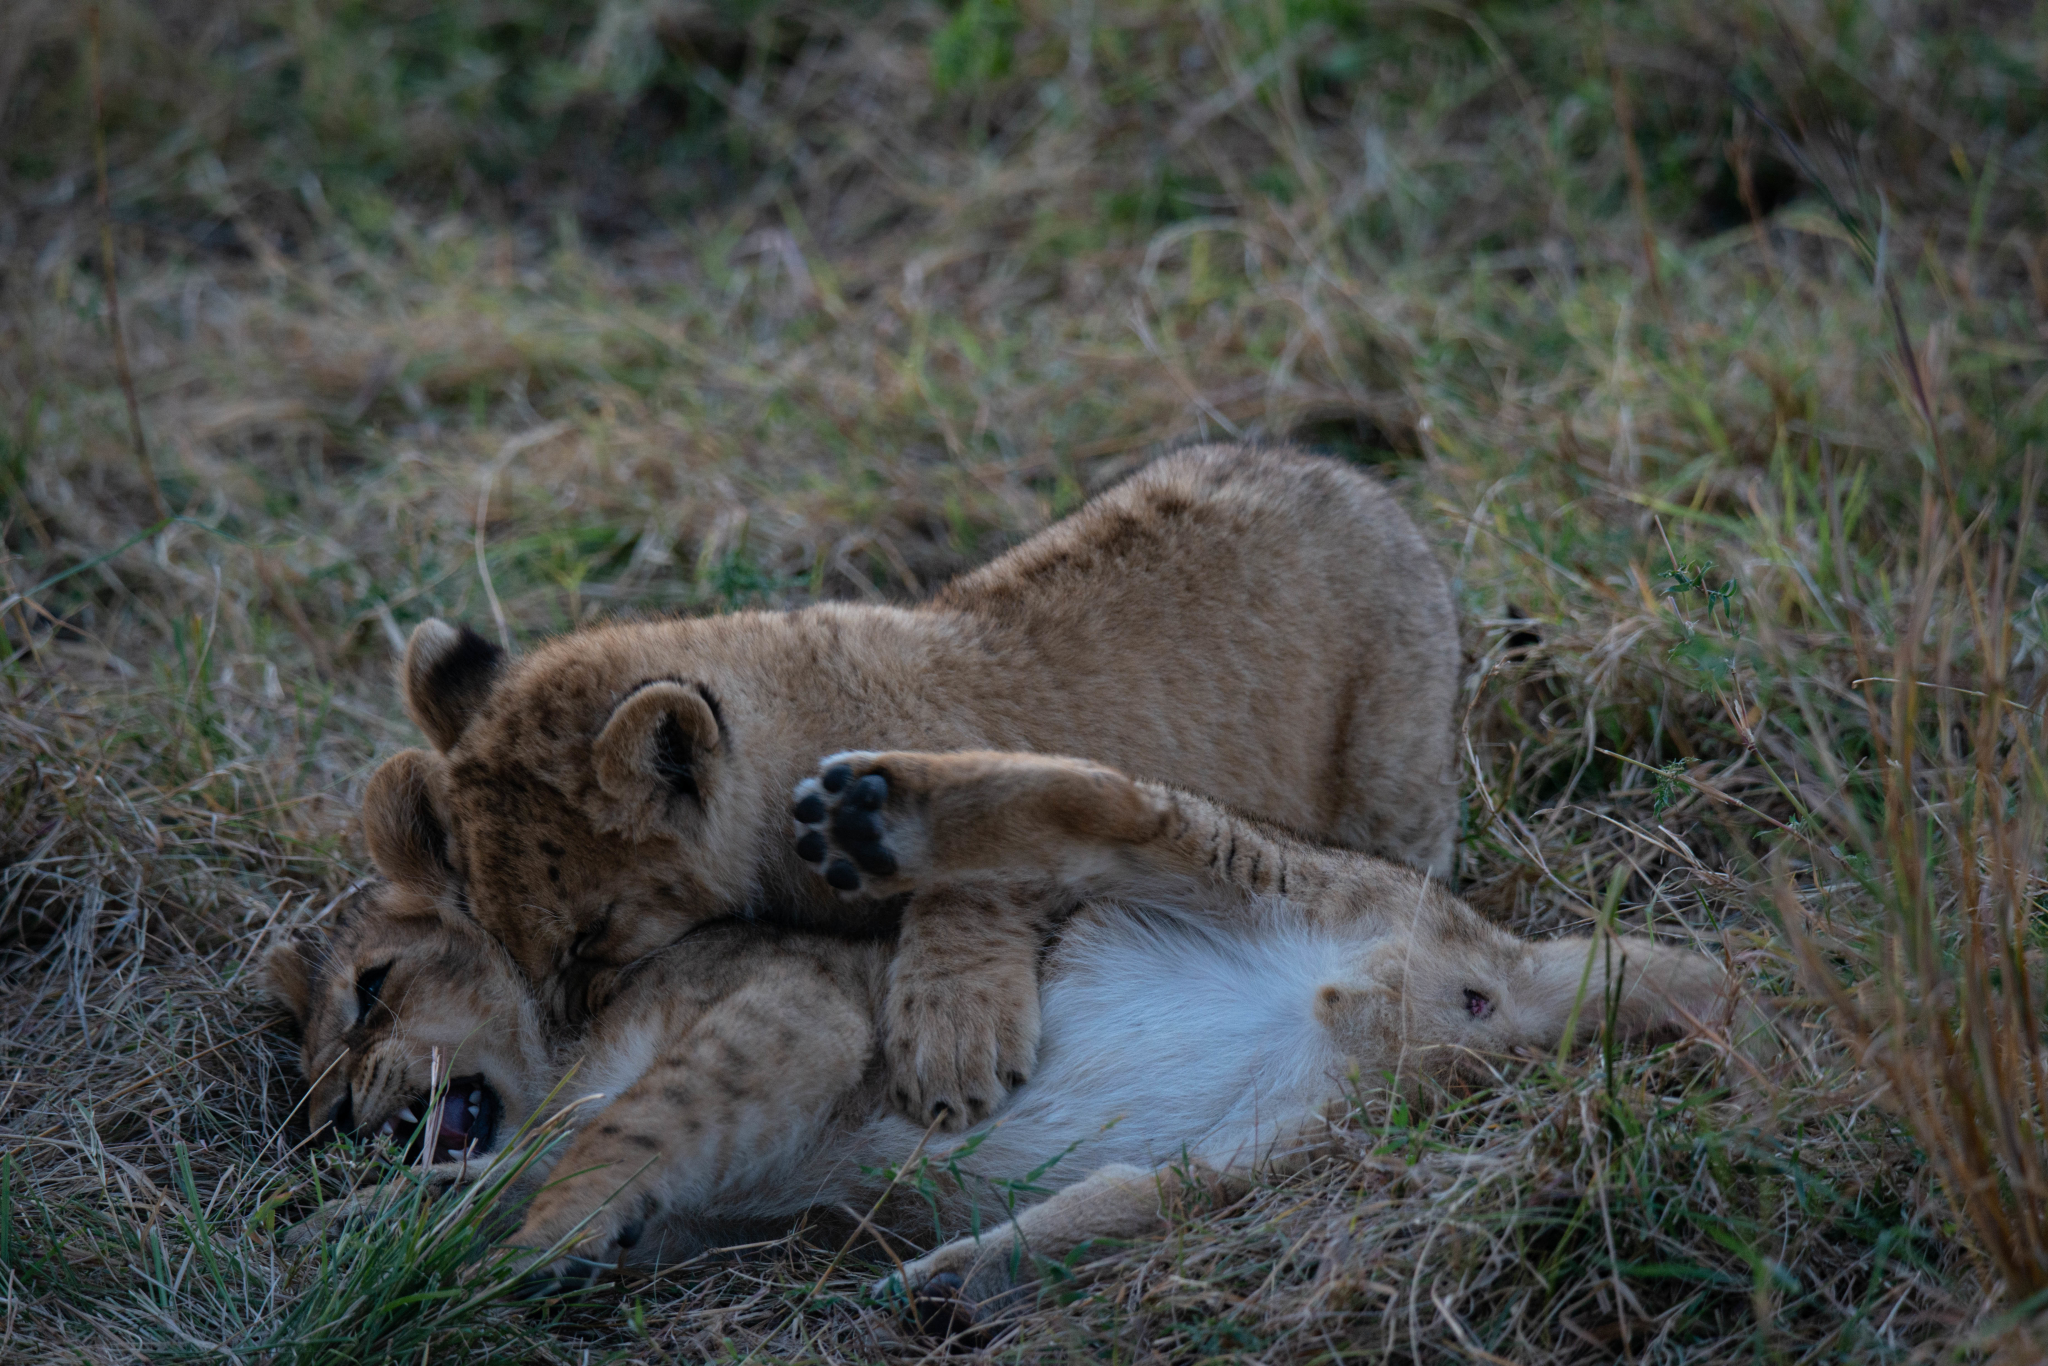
x=958, y=1287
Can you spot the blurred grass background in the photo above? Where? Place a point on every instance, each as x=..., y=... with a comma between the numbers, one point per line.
x=1706, y=342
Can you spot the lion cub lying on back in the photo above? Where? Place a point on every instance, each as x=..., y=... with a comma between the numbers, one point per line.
x=1263, y=624
x=1204, y=1010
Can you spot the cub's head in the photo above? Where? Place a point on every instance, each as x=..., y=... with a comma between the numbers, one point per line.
x=572, y=803
x=391, y=999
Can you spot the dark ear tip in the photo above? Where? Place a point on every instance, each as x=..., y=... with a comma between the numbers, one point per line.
x=475, y=642
x=448, y=672
x=438, y=647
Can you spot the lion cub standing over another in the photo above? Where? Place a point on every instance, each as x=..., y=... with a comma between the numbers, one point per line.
x=1263, y=625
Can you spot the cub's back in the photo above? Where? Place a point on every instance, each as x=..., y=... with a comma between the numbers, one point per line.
x=1300, y=508
x=1263, y=625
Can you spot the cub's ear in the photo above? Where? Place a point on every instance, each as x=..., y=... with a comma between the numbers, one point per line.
x=447, y=674
x=405, y=837
x=655, y=754
x=290, y=968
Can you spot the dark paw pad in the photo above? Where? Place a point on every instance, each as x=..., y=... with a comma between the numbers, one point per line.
x=857, y=827
x=874, y=859
x=840, y=827
x=940, y=1307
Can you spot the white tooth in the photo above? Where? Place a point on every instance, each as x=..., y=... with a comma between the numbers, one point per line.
x=475, y=1110
x=476, y=1098
x=386, y=1130
x=408, y=1116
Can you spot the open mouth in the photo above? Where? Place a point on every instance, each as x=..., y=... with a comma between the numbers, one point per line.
x=462, y=1125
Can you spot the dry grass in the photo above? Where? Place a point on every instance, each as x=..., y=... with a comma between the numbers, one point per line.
x=1725, y=400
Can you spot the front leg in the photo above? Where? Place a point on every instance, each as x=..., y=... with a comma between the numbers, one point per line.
x=961, y=1019
x=745, y=1088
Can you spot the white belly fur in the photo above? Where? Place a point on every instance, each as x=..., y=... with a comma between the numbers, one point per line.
x=1163, y=1039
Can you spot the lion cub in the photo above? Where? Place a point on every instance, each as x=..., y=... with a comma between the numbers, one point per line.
x=1205, y=1010
x=1265, y=625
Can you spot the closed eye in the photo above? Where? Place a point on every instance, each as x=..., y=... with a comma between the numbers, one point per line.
x=367, y=987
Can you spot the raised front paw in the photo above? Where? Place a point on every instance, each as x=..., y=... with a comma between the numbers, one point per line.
x=857, y=828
